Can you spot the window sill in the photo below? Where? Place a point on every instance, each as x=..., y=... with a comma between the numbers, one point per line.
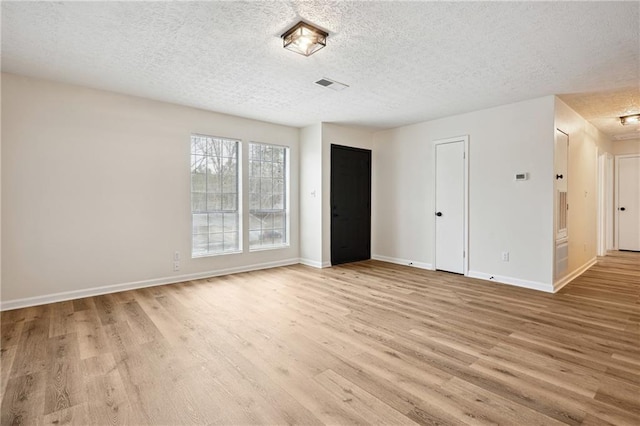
x=200, y=256
x=281, y=246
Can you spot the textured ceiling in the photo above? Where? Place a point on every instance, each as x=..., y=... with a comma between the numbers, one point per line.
x=405, y=62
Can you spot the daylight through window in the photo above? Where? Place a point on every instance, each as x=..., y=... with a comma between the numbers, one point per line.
x=214, y=195
x=268, y=183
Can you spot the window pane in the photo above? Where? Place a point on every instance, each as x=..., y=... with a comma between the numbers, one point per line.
x=230, y=222
x=266, y=186
x=266, y=153
x=229, y=202
x=278, y=236
x=214, y=188
x=198, y=202
x=267, y=170
x=229, y=149
x=200, y=224
x=254, y=151
x=229, y=183
x=254, y=169
x=216, y=243
x=278, y=170
x=254, y=238
x=215, y=223
x=278, y=154
x=200, y=244
x=231, y=241
x=278, y=220
x=254, y=201
x=255, y=222
x=266, y=201
x=214, y=202
x=267, y=221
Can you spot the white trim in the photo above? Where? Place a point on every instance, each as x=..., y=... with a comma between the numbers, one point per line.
x=600, y=167
x=315, y=263
x=617, y=197
x=575, y=274
x=464, y=139
x=96, y=291
x=534, y=285
x=405, y=262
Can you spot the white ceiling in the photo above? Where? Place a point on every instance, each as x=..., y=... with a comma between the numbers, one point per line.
x=405, y=62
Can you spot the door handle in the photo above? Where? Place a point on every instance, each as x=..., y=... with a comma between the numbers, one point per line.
x=439, y=214
x=558, y=176
x=622, y=209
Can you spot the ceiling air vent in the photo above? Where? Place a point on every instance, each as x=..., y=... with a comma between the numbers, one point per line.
x=333, y=85
x=627, y=136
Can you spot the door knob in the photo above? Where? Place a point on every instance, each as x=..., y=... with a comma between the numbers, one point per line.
x=558, y=176
x=439, y=214
x=622, y=209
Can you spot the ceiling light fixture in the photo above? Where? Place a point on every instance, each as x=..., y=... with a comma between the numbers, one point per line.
x=304, y=38
x=630, y=119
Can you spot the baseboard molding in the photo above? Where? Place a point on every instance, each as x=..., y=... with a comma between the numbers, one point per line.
x=97, y=291
x=405, y=262
x=315, y=264
x=575, y=274
x=534, y=285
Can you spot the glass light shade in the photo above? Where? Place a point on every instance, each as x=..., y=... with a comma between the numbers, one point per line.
x=630, y=119
x=304, y=38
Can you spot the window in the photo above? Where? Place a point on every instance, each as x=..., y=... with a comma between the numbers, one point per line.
x=268, y=185
x=214, y=195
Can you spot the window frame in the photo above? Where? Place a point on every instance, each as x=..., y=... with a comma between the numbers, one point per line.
x=238, y=199
x=285, y=194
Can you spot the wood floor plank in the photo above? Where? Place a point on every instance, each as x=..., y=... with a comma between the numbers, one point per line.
x=362, y=402
x=361, y=343
x=65, y=387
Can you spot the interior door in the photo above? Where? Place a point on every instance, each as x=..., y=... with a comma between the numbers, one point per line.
x=350, y=204
x=450, y=192
x=629, y=203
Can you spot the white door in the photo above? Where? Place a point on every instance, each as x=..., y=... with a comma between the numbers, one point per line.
x=629, y=203
x=450, y=206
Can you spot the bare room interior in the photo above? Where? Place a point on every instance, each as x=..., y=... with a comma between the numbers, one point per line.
x=310, y=212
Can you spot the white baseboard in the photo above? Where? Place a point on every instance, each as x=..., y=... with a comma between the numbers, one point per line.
x=314, y=263
x=534, y=285
x=405, y=262
x=96, y=291
x=575, y=274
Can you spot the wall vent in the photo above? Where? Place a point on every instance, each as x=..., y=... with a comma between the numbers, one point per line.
x=331, y=84
x=562, y=213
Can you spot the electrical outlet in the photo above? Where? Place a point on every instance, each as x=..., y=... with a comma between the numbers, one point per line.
x=176, y=256
x=505, y=256
x=176, y=266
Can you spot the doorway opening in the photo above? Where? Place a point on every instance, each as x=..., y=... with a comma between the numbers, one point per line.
x=350, y=204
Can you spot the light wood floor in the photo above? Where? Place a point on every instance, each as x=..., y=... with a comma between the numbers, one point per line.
x=362, y=343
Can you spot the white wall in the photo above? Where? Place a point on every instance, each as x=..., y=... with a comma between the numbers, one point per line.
x=96, y=189
x=504, y=215
x=345, y=136
x=582, y=220
x=311, y=190
x=631, y=146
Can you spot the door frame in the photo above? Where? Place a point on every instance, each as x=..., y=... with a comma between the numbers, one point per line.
x=617, y=198
x=465, y=140
x=605, y=203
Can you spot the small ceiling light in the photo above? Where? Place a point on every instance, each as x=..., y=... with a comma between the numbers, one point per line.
x=304, y=38
x=630, y=119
